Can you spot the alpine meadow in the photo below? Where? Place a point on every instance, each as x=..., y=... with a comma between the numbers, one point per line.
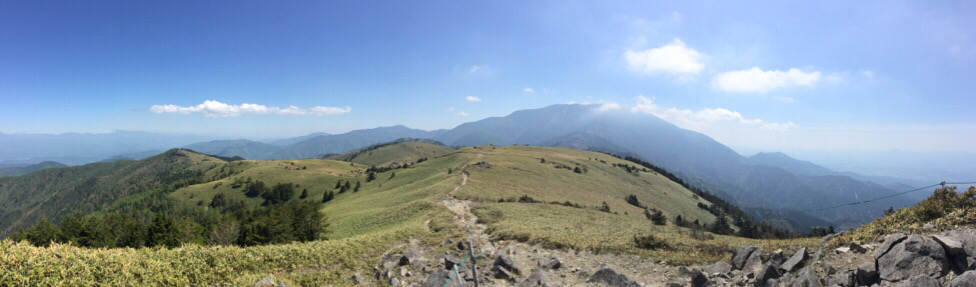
x=453, y=143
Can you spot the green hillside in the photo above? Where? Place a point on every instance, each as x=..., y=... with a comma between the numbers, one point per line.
x=406, y=152
x=54, y=193
x=557, y=197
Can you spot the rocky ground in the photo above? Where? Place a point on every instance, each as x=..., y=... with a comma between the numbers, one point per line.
x=934, y=259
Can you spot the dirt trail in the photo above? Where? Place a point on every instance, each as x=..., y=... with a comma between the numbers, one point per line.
x=473, y=230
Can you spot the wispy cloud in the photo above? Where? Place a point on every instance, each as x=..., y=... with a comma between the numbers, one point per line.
x=217, y=109
x=463, y=114
x=528, y=90
x=472, y=99
x=474, y=69
x=608, y=107
x=704, y=118
x=674, y=58
x=756, y=80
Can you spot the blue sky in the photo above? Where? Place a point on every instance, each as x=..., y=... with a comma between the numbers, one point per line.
x=822, y=75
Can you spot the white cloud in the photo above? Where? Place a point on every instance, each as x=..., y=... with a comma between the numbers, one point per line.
x=674, y=58
x=756, y=80
x=867, y=73
x=608, y=107
x=472, y=99
x=528, y=90
x=474, y=69
x=217, y=109
x=704, y=118
x=463, y=114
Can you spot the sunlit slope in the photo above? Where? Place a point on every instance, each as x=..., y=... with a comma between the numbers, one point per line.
x=314, y=176
x=549, y=175
x=54, y=193
x=400, y=153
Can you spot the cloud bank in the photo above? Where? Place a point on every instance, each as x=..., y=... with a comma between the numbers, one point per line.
x=704, y=118
x=217, y=109
x=756, y=80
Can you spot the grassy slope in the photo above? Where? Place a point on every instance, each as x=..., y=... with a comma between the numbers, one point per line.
x=407, y=152
x=390, y=209
x=517, y=171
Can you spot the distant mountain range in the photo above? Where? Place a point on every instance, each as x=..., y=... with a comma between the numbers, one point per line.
x=774, y=182
x=22, y=170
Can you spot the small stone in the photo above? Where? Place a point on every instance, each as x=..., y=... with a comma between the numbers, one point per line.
x=717, y=267
x=856, y=247
x=612, y=278
x=843, y=249
x=265, y=282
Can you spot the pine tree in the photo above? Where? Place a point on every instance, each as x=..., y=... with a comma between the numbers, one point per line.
x=304, y=193
x=356, y=189
x=163, y=232
x=218, y=201
x=43, y=233
x=370, y=176
x=720, y=226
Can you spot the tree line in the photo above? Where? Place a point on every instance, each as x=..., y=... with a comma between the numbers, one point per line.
x=158, y=220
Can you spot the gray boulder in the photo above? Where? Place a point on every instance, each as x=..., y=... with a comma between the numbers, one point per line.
x=754, y=263
x=845, y=279
x=866, y=274
x=966, y=260
x=796, y=261
x=717, y=267
x=612, y=278
x=806, y=278
x=915, y=255
x=967, y=279
x=766, y=272
x=917, y=281
x=889, y=242
x=740, y=255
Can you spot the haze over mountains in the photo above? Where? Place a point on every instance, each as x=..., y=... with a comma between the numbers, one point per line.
x=772, y=181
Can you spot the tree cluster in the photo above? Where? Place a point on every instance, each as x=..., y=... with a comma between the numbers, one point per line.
x=231, y=223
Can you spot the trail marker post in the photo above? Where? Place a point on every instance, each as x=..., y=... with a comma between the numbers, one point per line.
x=474, y=263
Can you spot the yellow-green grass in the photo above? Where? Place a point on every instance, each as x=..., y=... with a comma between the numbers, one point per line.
x=558, y=226
x=407, y=152
x=411, y=194
x=519, y=170
x=316, y=176
x=298, y=264
x=943, y=210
